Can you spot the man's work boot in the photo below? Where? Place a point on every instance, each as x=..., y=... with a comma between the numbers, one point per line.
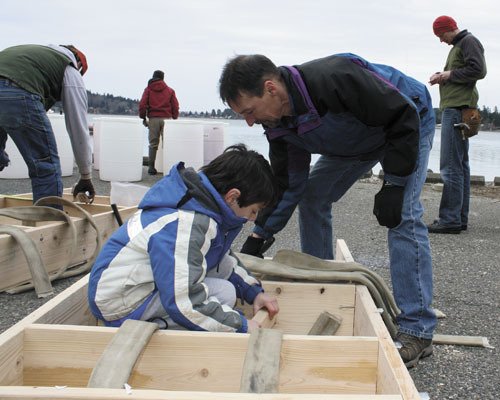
x=436, y=227
x=151, y=162
x=413, y=348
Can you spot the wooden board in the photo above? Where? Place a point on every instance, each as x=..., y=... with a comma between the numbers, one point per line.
x=59, y=355
x=54, y=241
x=392, y=375
x=67, y=393
x=361, y=361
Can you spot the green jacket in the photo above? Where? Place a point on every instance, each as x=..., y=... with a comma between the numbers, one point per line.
x=36, y=69
x=467, y=65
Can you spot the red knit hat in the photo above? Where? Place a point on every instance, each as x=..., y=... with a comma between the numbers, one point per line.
x=444, y=24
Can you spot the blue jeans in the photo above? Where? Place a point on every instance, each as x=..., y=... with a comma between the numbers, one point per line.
x=23, y=118
x=409, y=248
x=455, y=172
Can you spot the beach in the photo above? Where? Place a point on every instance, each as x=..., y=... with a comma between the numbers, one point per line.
x=466, y=279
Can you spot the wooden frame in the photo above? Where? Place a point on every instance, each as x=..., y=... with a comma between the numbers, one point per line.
x=52, y=239
x=58, y=345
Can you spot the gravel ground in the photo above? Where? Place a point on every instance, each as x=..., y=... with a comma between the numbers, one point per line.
x=466, y=280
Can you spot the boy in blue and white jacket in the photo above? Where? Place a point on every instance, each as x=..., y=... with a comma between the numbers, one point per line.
x=171, y=262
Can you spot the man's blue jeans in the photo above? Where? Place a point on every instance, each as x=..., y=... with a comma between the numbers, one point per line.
x=409, y=248
x=23, y=118
x=455, y=171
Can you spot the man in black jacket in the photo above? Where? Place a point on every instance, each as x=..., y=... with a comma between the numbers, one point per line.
x=354, y=114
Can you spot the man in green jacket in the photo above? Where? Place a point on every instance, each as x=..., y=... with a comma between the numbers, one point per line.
x=32, y=79
x=457, y=87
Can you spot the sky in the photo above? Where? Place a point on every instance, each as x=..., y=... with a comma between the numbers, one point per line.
x=191, y=40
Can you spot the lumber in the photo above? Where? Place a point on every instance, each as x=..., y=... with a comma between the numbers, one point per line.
x=71, y=393
x=479, y=341
x=262, y=362
x=118, y=359
x=263, y=319
x=326, y=324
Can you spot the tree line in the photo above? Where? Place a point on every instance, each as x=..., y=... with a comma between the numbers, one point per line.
x=118, y=105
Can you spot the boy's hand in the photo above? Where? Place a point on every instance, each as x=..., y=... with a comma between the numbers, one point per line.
x=264, y=300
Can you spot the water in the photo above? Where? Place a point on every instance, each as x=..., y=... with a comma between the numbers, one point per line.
x=484, y=151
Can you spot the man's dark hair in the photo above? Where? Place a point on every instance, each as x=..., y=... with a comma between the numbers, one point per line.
x=245, y=170
x=245, y=73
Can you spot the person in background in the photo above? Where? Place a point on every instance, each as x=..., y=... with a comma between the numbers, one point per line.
x=32, y=79
x=171, y=262
x=158, y=102
x=464, y=66
x=355, y=114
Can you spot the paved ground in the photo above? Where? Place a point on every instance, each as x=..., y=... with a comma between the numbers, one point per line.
x=467, y=283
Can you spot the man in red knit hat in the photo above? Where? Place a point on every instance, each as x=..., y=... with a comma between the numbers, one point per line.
x=459, y=97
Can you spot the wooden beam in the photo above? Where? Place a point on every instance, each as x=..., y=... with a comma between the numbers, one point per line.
x=68, y=393
x=297, y=300
x=118, y=359
x=326, y=324
x=54, y=246
x=262, y=362
x=181, y=360
x=392, y=375
x=479, y=341
x=262, y=318
x=342, y=252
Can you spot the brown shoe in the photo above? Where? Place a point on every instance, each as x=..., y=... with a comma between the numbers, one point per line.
x=413, y=348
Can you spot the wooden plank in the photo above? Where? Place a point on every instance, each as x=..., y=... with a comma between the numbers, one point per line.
x=301, y=303
x=328, y=364
x=67, y=393
x=118, y=359
x=342, y=252
x=68, y=307
x=261, y=369
x=327, y=324
x=392, y=375
x=262, y=318
x=65, y=355
x=67, y=194
x=54, y=246
x=11, y=359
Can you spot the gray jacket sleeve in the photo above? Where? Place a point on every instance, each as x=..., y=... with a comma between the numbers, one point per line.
x=75, y=104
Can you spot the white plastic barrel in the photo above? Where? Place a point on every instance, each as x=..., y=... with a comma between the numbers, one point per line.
x=127, y=194
x=183, y=141
x=63, y=141
x=96, y=150
x=17, y=169
x=121, y=143
x=213, y=140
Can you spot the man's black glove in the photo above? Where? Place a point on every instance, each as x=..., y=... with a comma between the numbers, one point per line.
x=256, y=246
x=389, y=204
x=145, y=122
x=84, y=190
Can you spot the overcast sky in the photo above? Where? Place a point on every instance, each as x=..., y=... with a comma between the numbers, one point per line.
x=126, y=40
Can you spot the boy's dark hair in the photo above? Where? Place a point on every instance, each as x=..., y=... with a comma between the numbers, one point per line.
x=245, y=170
x=246, y=73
